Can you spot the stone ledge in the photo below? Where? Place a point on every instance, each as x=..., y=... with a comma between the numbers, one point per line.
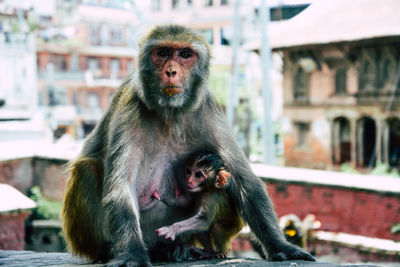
x=12, y=258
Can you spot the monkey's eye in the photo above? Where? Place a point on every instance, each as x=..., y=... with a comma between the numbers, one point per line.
x=185, y=53
x=198, y=174
x=188, y=172
x=163, y=52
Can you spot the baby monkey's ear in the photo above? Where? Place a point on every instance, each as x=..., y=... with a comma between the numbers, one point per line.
x=222, y=178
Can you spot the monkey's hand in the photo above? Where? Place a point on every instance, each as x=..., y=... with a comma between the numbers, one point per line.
x=288, y=251
x=168, y=232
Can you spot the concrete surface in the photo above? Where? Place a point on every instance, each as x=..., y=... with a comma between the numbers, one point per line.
x=12, y=258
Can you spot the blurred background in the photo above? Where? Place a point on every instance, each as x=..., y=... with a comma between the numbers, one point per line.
x=311, y=89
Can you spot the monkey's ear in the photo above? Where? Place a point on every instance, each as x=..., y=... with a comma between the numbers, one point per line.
x=222, y=178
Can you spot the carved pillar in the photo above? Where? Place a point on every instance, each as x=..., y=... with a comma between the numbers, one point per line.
x=385, y=142
x=360, y=142
x=378, y=142
x=334, y=136
x=353, y=140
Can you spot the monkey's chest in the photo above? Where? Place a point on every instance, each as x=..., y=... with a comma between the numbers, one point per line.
x=156, y=177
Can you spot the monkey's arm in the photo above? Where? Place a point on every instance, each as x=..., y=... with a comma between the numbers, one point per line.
x=120, y=202
x=199, y=222
x=249, y=192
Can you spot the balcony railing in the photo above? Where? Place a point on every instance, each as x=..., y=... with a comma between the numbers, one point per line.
x=62, y=76
x=19, y=41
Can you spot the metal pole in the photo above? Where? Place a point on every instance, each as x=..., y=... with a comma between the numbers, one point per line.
x=234, y=81
x=268, y=127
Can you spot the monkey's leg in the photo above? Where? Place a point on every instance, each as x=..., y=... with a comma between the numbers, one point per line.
x=209, y=251
x=122, y=227
x=81, y=210
x=169, y=251
x=258, y=211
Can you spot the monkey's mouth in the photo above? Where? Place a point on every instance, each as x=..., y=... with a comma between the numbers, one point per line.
x=193, y=188
x=171, y=90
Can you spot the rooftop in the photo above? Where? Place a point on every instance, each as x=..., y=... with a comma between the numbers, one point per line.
x=336, y=21
x=383, y=184
x=13, y=200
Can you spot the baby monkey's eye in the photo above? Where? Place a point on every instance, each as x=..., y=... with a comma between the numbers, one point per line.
x=198, y=174
x=188, y=172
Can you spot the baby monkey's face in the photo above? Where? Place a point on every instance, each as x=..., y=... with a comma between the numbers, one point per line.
x=197, y=178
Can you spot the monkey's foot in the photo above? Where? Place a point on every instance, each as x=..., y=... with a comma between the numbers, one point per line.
x=168, y=232
x=169, y=252
x=199, y=254
x=289, y=252
x=134, y=257
x=127, y=263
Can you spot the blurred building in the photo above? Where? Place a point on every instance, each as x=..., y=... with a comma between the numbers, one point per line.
x=18, y=84
x=84, y=50
x=341, y=84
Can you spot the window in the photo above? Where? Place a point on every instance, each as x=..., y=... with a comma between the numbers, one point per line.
x=94, y=32
x=116, y=35
x=103, y=34
x=340, y=81
x=93, y=100
x=208, y=2
x=302, y=133
x=114, y=67
x=224, y=2
x=208, y=35
x=59, y=62
x=367, y=75
x=156, y=5
x=226, y=33
x=130, y=37
x=175, y=4
x=93, y=64
x=300, y=86
x=387, y=70
x=75, y=98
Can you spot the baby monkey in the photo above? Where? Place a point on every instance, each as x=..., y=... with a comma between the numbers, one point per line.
x=216, y=220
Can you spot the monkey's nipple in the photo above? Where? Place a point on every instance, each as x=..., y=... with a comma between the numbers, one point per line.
x=156, y=195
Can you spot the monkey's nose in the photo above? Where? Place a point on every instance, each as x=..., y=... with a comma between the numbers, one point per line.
x=170, y=73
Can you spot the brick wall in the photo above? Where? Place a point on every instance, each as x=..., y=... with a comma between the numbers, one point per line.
x=48, y=174
x=339, y=210
x=315, y=156
x=354, y=211
x=17, y=173
x=12, y=231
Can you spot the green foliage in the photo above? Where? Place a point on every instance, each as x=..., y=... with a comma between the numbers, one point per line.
x=380, y=169
x=219, y=83
x=384, y=169
x=345, y=167
x=395, y=228
x=46, y=209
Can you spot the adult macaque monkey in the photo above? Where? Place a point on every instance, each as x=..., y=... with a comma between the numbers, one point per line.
x=161, y=113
